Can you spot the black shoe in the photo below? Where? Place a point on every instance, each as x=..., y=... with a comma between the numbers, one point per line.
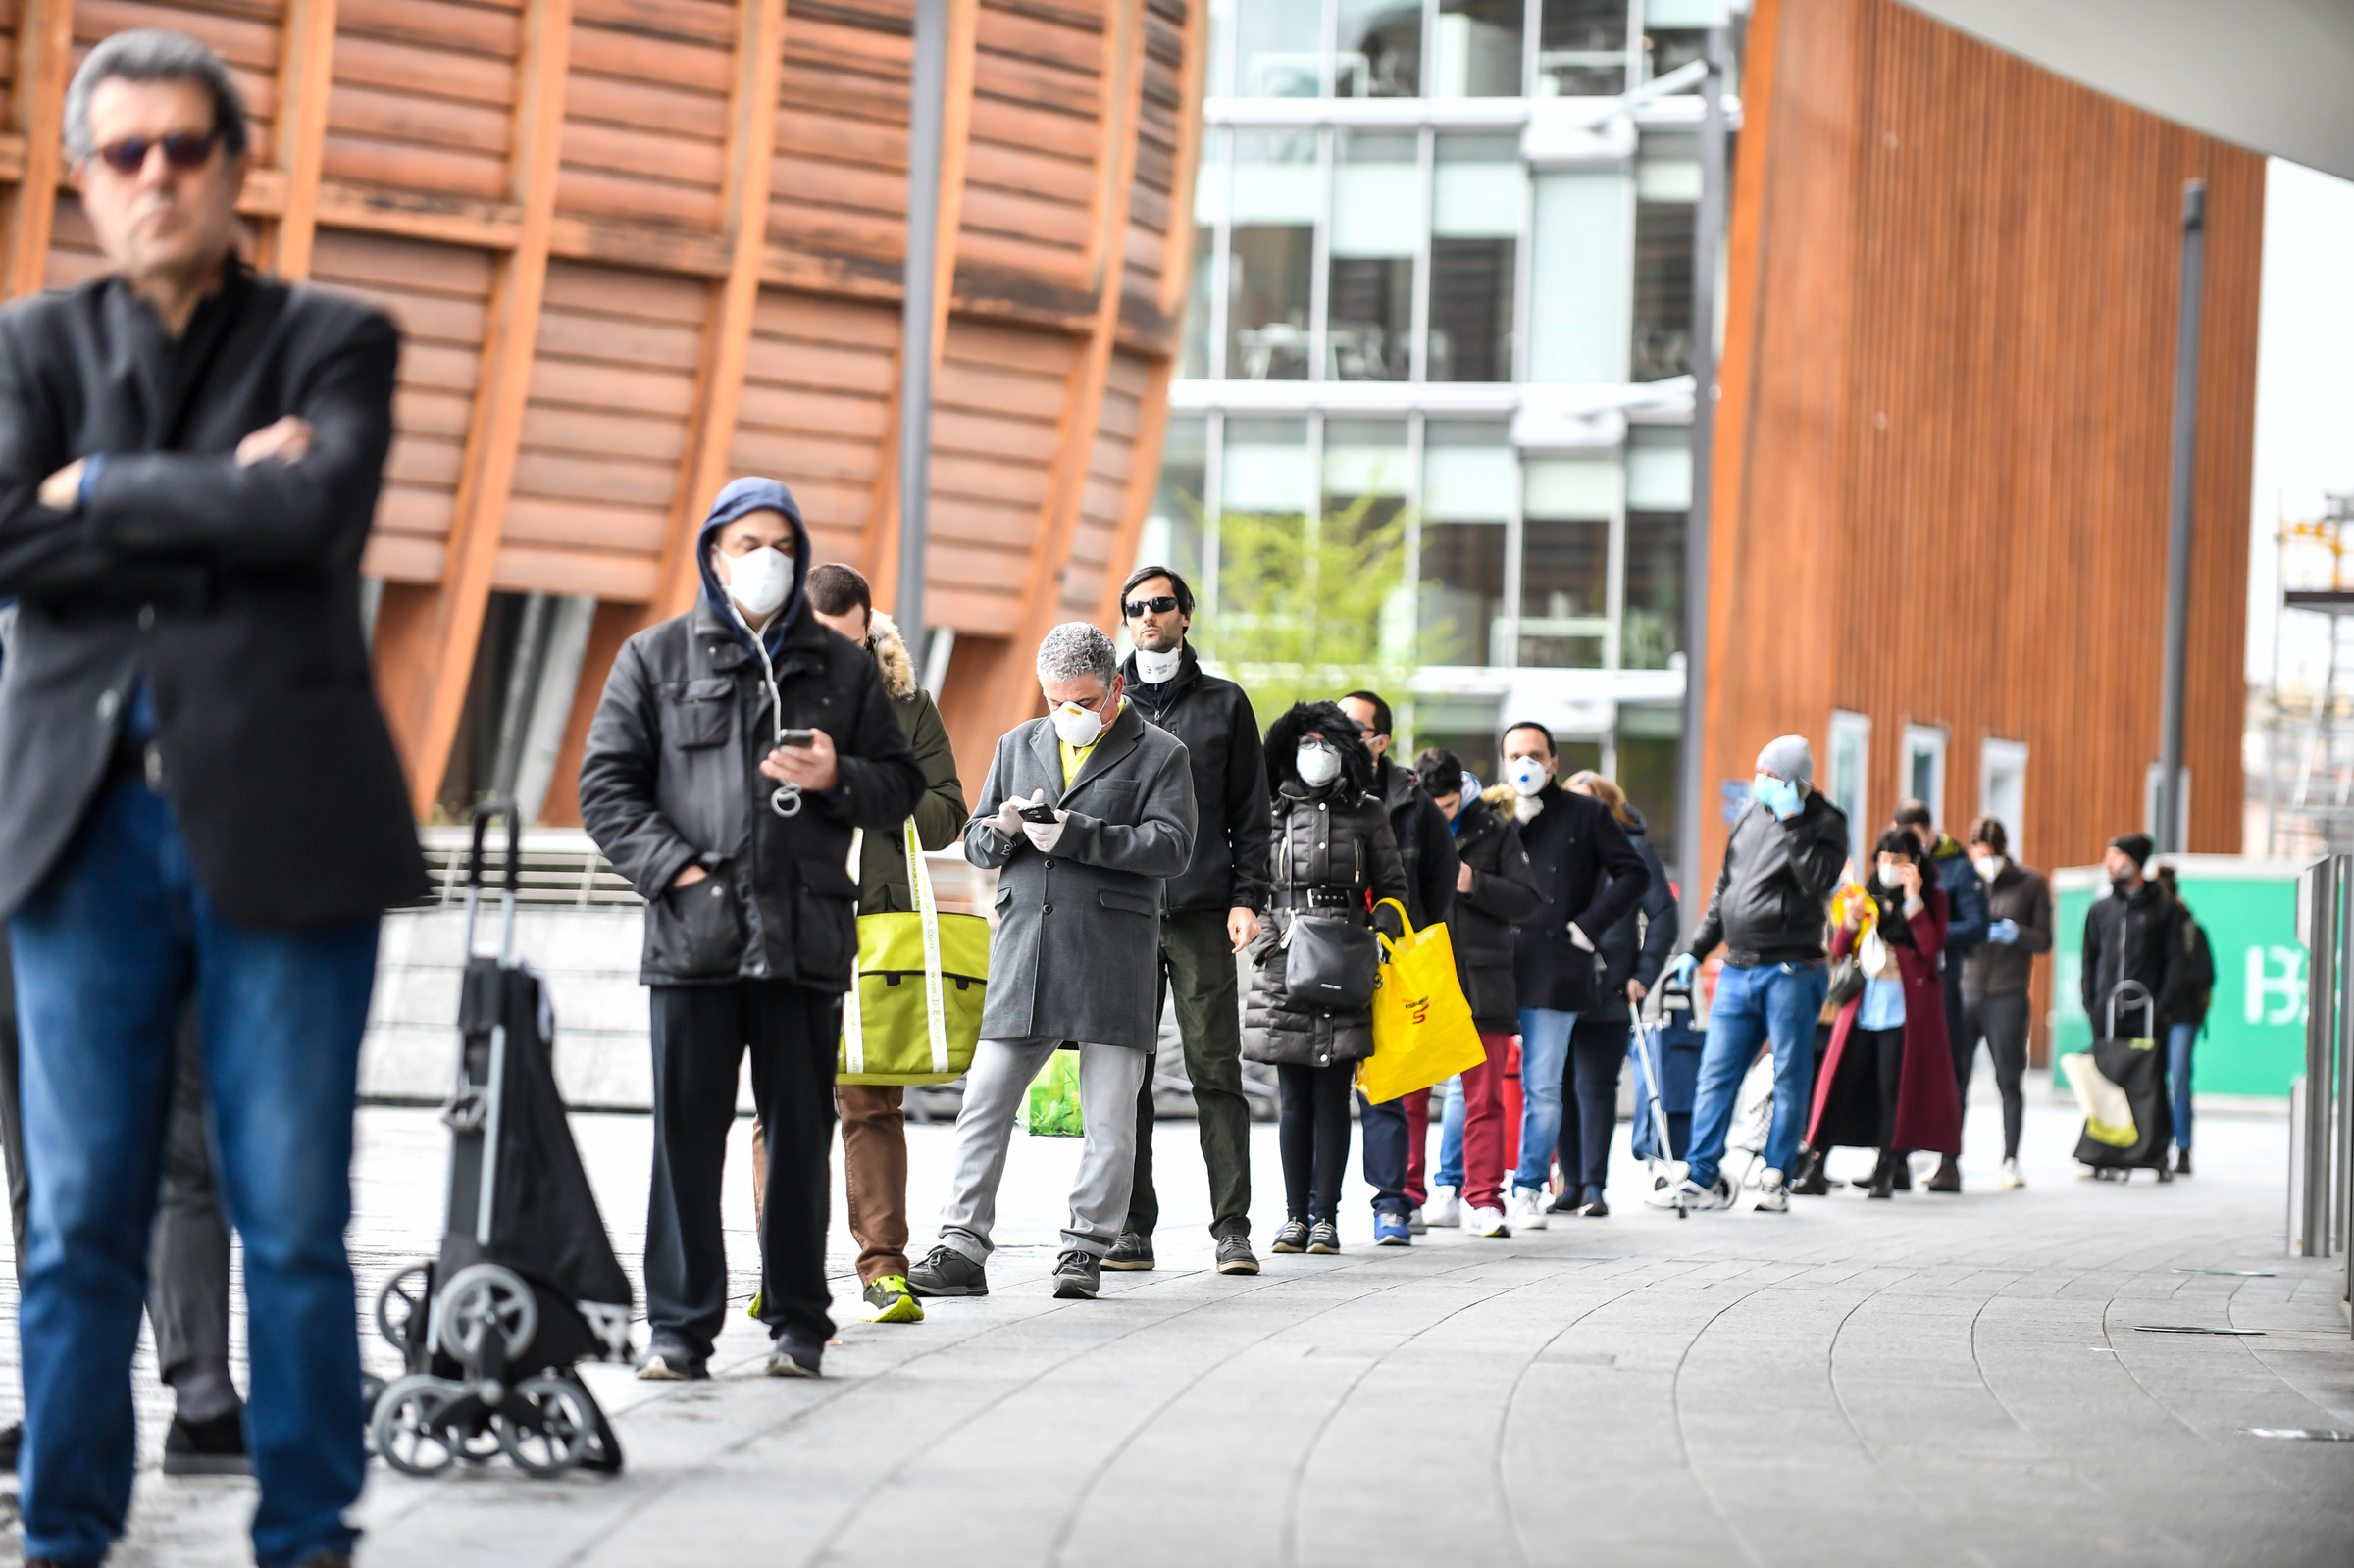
x=796, y=1353
x=1571, y=1201
x=1293, y=1238
x=1883, y=1175
x=1594, y=1208
x=946, y=1271
x=1324, y=1236
x=215, y=1447
x=1811, y=1181
x=1235, y=1256
x=1130, y=1251
x=2182, y=1162
x=1077, y=1275
x=12, y=1441
x=1900, y=1172
x=1948, y=1178
x=668, y=1360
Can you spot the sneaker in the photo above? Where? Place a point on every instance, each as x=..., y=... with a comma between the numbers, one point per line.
x=1415, y=1224
x=795, y=1352
x=1293, y=1238
x=1774, y=1194
x=946, y=1271
x=668, y=1360
x=1528, y=1207
x=1130, y=1251
x=1077, y=1275
x=1235, y=1256
x=890, y=1301
x=215, y=1447
x=1391, y=1230
x=1489, y=1222
x=2011, y=1176
x=1324, y=1236
x=1446, y=1208
x=1692, y=1196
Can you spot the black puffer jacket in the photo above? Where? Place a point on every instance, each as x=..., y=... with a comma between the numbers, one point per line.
x=1503, y=890
x=1333, y=855
x=2137, y=936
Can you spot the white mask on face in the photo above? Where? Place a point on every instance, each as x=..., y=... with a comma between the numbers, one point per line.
x=758, y=581
x=1076, y=726
x=1155, y=668
x=1891, y=879
x=1319, y=764
x=1527, y=774
x=1989, y=866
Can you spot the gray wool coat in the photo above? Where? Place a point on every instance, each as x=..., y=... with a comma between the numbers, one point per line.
x=1076, y=951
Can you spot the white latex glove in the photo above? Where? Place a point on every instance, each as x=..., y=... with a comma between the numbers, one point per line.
x=1580, y=937
x=1045, y=835
x=1008, y=820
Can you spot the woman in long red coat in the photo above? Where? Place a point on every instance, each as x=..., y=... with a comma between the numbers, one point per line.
x=1888, y=1080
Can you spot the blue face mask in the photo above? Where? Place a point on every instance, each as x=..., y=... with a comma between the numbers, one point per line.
x=1778, y=795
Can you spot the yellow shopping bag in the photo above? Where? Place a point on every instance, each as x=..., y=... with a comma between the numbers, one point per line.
x=1423, y=1028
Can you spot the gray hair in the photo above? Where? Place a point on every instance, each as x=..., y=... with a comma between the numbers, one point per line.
x=1076, y=648
x=154, y=54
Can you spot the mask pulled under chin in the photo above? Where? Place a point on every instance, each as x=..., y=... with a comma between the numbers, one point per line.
x=758, y=581
x=1154, y=669
x=1076, y=726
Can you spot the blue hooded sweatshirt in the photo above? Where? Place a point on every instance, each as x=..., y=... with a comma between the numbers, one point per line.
x=739, y=498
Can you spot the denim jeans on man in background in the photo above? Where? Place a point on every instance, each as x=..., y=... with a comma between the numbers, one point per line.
x=2179, y=1037
x=1769, y=1004
x=108, y=949
x=1384, y=1127
x=1543, y=1048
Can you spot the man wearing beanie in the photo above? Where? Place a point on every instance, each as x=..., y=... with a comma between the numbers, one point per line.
x=1768, y=911
x=2133, y=933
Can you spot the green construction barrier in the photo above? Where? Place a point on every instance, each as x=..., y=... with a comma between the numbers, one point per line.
x=2255, y=1038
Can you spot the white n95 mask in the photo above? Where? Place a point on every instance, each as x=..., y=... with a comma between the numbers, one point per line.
x=1318, y=763
x=1527, y=776
x=759, y=580
x=1076, y=726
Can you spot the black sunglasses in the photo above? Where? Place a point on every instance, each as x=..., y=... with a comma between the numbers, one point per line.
x=1159, y=605
x=182, y=150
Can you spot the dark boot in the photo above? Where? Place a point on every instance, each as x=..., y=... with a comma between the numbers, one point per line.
x=2182, y=1162
x=1948, y=1178
x=1883, y=1175
x=1811, y=1182
x=1900, y=1169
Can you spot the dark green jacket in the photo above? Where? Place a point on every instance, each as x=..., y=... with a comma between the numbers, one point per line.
x=939, y=810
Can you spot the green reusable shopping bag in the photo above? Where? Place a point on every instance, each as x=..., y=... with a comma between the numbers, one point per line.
x=1054, y=1099
x=914, y=1015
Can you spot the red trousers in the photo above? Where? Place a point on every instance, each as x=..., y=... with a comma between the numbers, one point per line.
x=1485, y=1130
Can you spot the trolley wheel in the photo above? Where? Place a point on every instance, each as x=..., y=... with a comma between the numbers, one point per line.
x=398, y=1303
x=483, y=1300
x=408, y=1428
x=546, y=1425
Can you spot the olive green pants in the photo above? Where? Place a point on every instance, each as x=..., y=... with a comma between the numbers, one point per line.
x=1197, y=968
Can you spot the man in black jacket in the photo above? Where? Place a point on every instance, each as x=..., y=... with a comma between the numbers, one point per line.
x=198, y=795
x=1769, y=910
x=1591, y=878
x=2135, y=935
x=1207, y=915
x=733, y=752
x=1426, y=845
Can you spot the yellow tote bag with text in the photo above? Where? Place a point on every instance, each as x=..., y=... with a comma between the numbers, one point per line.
x=1423, y=1028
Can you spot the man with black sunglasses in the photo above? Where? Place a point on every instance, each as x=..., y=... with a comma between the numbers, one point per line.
x=199, y=799
x=1207, y=915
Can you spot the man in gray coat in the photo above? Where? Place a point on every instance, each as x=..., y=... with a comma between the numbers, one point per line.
x=1085, y=813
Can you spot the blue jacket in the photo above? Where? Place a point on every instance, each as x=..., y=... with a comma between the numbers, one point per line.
x=1966, y=900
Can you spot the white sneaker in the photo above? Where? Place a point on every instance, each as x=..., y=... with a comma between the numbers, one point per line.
x=1415, y=1224
x=1488, y=1222
x=2011, y=1176
x=1774, y=1194
x=1528, y=1207
x=1694, y=1198
x=1446, y=1208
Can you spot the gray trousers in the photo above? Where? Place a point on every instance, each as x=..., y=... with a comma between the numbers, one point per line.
x=994, y=1092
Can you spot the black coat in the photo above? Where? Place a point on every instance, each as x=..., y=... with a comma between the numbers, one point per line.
x=1213, y=718
x=670, y=777
x=1638, y=943
x=1425, y=842
x=1503, y=892
x=1590, y=877
x=2133, y=936
x=232, y=592
x=1773, y=896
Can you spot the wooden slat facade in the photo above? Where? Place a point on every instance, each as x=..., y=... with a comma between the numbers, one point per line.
x=1942, y=463
x=639, y=246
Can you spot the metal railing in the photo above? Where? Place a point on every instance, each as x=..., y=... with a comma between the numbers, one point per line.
x=2321, y=1176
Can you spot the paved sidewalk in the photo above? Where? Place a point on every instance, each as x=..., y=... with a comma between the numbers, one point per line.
x=1936, y=1380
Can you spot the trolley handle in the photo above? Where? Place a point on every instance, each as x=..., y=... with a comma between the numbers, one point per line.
x=484, y=811
x=2135, y=994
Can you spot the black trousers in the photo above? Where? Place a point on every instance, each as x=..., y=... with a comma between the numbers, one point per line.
x=700, y=1035
x=1590, y=1102
x=1312, y=1133
x=2001, y=1020
x=1197, y=965
x=1887, y=1047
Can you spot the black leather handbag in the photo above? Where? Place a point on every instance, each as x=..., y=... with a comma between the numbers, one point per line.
x=1329, y=965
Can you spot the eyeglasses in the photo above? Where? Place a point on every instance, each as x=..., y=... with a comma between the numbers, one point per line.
x=182, y=150
x=1161, y=604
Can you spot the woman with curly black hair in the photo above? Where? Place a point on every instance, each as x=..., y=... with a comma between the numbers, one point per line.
x=1331, y=859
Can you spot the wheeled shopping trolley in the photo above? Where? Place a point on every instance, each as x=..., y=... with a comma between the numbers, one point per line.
x=525, y=1287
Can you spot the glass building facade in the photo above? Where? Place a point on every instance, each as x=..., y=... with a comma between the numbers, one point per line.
x=1443, y=271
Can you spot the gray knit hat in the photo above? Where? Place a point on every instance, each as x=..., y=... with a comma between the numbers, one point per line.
x=1788, y=757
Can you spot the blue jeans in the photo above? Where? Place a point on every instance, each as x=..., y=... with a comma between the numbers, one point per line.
x=107, y=950
x=1451, y=1138
x=2179, y=1037
x=1543, y=1048
x=1770, y=1005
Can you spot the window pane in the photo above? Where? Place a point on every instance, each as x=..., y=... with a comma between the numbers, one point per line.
x=1273, y=260
x=1581, y=49
x=1462, y=591
x=1667, y=187
x=1651, y=621
x=1468, y=472
x=1277, y=52
x=1476, y=52
x=1197, y=304
x=1362, y=458
x=1649, y=773
x=1667, y=49
x=1266, y=467
x=1563, y=568
x=1172, y=535
x=1472, y=310
x=1381, y=49
x=1376, y=200
x=1479, y=188
x=1578, y=321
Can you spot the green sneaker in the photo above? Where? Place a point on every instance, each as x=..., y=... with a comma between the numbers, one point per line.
x=888, y=1300
x=752, y=1309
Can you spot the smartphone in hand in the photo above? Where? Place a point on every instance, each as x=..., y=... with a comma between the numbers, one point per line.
x=1041, y=813
x=798, y=737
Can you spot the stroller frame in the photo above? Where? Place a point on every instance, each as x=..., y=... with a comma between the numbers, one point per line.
x=1667, y=1171
x=490, y=1352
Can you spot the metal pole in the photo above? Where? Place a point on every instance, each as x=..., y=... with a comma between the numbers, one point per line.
x=927, y=115
x=2321, y=911
x=2178, y=545
x=1708, y=238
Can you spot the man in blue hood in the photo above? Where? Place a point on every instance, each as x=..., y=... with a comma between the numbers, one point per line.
x=734, y=749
